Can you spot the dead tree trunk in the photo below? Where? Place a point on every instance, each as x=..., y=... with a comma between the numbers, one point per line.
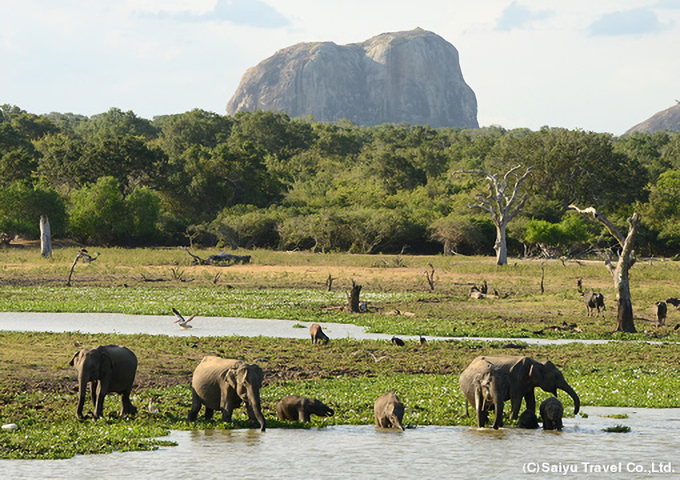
x=501, y=204
x=430, y=277
x=45, y=237
x=624, y=315
x=329, y=282
x=353, y=298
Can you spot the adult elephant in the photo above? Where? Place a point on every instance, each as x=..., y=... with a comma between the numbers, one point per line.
x=491, y=380
x=223, y=384
x=108, y=369
x=295, y=407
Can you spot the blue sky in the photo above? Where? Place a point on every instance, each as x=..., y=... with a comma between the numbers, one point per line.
x=598, y=65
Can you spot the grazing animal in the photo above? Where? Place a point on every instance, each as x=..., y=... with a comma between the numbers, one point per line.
x=673, y=301
x=422, y=340
x=551, y=412
x=180, y=319
x=317, y=334
x=527, y=419
x=594, y=300
x=389, y=411
x=660, y=312
x=294, y=407
x=398, y=341
x=108, y=369
x=224, y=384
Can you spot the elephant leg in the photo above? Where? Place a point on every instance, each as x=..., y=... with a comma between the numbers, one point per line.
x=93, y=388
x=208, y=413
x=306, y=417
x=128, y=407
x=195, y=406
x=101, y=395
x=498, y=420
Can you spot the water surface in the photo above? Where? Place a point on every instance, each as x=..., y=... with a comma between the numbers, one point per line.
x=364, y=452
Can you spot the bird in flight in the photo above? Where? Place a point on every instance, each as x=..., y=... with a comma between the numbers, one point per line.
x=180, y=319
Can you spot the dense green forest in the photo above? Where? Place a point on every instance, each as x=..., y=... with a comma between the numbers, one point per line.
x=263, y=179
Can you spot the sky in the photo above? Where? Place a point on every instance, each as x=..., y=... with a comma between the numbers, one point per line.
x=595, y=65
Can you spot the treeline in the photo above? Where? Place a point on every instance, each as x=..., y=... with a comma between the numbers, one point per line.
x=263, y=179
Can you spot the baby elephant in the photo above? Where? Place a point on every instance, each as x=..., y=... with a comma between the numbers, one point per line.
x=317, y=334
x=294, y=407
x=527, y=419
x=389, y=411
x=551, y=411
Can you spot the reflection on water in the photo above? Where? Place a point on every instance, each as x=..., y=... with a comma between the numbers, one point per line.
x=423, y=452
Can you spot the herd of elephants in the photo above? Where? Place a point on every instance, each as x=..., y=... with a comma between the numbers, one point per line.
x=224, y=384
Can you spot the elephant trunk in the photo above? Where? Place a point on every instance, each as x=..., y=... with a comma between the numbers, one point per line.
x=254, y=400
x=570, y=391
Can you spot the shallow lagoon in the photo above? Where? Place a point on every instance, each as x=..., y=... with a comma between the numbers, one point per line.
x=364, y=452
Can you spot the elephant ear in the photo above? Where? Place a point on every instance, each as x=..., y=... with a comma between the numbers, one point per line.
x=536, y=372
x=259, y=374
x=73, y=359
x=242, y=374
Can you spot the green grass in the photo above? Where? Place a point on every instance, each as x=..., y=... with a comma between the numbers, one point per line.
x=37, y=387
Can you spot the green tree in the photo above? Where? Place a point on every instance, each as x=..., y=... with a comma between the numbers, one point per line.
x=21, y=206
x=98, y=213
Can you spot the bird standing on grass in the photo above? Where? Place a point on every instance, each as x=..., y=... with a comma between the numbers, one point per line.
x=180, y=319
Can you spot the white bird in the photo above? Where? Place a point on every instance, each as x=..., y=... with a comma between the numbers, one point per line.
x=180, y=319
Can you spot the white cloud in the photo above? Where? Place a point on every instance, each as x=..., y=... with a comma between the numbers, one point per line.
x=639, y=21
x=517, y=16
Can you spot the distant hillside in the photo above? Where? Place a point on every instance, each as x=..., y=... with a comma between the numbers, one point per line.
x=668, y=119
x=411, y=77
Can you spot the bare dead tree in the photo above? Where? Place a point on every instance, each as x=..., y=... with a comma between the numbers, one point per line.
x=626, y=259
x=542, y=278
x=430, y=277
x=45, y=237
x=502, y=202
x=353, y=298
x=87, y=258
x=329, y=282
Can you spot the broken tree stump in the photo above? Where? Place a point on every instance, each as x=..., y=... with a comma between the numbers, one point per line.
x=353, y=298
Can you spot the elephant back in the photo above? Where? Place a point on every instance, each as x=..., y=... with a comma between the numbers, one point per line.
x=123, y=366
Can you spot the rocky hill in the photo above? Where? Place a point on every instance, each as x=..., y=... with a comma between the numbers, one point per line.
x=413, y=77
x=668, y=119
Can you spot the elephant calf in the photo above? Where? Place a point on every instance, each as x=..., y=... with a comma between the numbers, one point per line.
x=294, y=407
x=223, y=384
x=389, y=411
x=108, y=369
x=551, y=412
x=528, y=419
x=317, y=334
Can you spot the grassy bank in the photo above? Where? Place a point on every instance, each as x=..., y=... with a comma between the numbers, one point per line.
x=38, y=388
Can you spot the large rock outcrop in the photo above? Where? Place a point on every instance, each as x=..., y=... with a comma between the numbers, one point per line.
x=411, y=77
x=668, y=119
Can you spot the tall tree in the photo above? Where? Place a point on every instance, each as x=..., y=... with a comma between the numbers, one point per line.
x=502, y=202
x=624, y=316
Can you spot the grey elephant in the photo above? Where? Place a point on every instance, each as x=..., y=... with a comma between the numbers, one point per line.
x=389, y=411
x=514, y=379
x=108, y=369
x=551, y=410
x=223, y=384
x=528, y=419
x=295, y=407
x=487, y=387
